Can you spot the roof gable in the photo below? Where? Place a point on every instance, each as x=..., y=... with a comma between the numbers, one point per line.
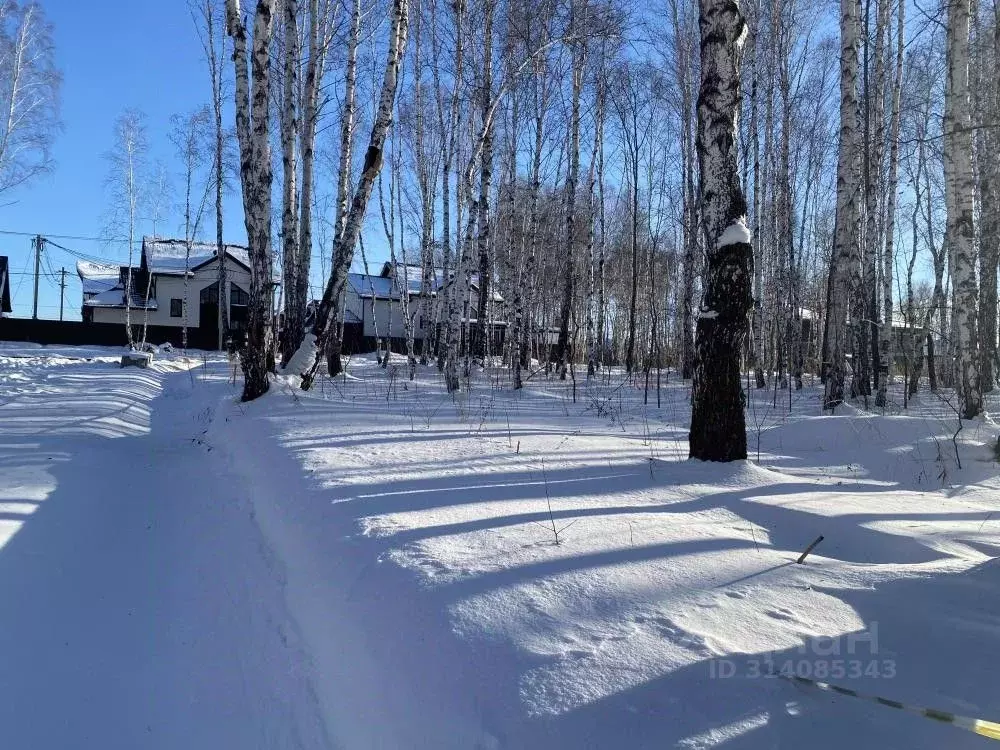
x=171, y=257
x=97, y=277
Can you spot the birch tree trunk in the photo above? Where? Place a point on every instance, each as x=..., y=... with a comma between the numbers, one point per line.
x=214, y=52
x=718, y=427
x=482, y=205
x=215, y=65
x=306, y=359
x=523, y=302
x=253, y=131
x=572, y=177
x=757, y=324
x=425, y=182
x=959, y=200
x=867, y=352
x=844, y=265
x=593, y=357
x=344, y=168
x=989, y=189
x=318, y=41
x=289, y=193
x=458, y=283
x=888, y=258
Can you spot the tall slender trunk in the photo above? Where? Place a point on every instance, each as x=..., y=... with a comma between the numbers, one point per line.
x=523, y=303
x=333, y=342
x=307, y=359
x=592, y=353
x=718, y=427
x=959, y=199
x=215, y=70
x=989, y=228
x=485, y=178
x=289, y=192
x=757, y=323
x=458, y=284
x=844, y=266
x=633, y=161
x=318, y=38
x=888, y=257
x=425, y=184
x=572, y=177
x=253, y=131
x=447, y=127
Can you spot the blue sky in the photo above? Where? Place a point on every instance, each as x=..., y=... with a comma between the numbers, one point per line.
x=113, y=54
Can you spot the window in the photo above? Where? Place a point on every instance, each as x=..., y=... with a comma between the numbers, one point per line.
x=237, y=296
x=176, y=307
x=238, y=301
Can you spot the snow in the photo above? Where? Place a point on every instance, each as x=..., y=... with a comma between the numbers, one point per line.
x=138, y=612
x=115, y=297
x=373, y=564
x=735, y=234
x=169, y=256
x=303, y=357
x=97, y=277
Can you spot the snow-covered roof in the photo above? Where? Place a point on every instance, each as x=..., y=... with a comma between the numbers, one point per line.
x=97, y=277
x=115, y=297
x=367, y=285
x=170, y=257
x=413, y=276
x=384, y=287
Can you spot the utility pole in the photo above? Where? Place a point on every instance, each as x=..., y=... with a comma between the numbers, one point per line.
x=62, y=292
x=37, y=242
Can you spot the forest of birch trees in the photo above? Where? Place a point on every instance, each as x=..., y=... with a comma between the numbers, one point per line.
x=565, y=155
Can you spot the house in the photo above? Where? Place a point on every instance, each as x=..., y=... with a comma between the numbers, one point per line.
x=4, y=286
x=168, y=273
x=373, y=307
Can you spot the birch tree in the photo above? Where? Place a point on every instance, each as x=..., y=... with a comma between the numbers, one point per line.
x=29, y=94
x=888, y=256
x=844, y=265
x=718, y=428
x=206, y=14
x=125, y=178
x=344, y=171
x=306, y=359
x=191, y=137
x=578, y=52
x=319, y=37
x=294, y=309
x=253, y=133
x=959, y=200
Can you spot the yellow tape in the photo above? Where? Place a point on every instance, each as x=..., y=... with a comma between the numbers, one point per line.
x=988, y=729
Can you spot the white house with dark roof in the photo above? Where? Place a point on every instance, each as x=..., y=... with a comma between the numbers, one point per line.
x=373, y=306
x=167, y=272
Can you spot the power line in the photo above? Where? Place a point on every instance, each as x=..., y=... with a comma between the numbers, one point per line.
x=81, y=255
x=23, y=274
x=64, y=236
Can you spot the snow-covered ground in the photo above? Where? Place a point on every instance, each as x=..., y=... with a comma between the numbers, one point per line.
x=377, y=565
x=141, y=605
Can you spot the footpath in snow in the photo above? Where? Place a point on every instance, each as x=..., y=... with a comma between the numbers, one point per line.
x=141, y=607
x=377, y=565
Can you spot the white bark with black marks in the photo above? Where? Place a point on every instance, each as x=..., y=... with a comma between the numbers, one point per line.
x=960, y=189
x=253, y=133
x=844, y=265
x=718, y=427
x=348, y=239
